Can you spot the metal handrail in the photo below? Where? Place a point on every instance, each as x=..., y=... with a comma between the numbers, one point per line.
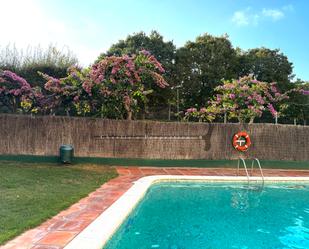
x=252, y=165
x=259, y=164
x=245, y=167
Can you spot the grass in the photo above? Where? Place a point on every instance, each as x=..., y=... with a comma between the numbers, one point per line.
x=31, y=193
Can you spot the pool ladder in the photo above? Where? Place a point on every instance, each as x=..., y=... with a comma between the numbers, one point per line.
x=249, y=176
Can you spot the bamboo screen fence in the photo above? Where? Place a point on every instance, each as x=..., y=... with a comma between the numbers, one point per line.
x=26, y=135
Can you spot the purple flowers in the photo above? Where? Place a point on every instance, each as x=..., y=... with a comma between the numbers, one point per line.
x=17, y=92
x=14, y=77
x=273, y=88
x=204, y=114
x=304, y=92
x=87, y=86
x=246, y=98
x=14, y=84
x=228, y=86
x=258, y=98
x=203, y=110
x=191, y=110
x=127, y=69
x=272, y=110
x=232, y=96
x=130, y=65
x=145, y=52
x=244, y=88
x=114, y=84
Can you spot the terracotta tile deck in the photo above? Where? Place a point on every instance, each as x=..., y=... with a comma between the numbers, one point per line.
x=62, y=228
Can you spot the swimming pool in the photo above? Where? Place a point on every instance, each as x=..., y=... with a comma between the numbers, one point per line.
x=219, y=215
x=110, y=223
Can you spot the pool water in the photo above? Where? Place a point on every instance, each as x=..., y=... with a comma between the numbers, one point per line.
x=217, y=216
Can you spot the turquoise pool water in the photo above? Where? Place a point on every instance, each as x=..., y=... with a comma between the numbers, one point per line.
x=217, y=216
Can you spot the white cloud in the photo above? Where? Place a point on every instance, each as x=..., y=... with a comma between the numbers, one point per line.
x=240, y=18
x=251, y=17
x=274, y=14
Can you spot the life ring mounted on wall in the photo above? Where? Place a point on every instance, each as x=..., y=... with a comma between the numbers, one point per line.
x=241, y=141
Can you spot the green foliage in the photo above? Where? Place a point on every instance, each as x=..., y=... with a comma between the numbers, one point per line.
x=193, y=72
x=121, y=83
x=268, y=65
x=243, y=99
x=112, y=88
x=298, y=104
x=203, y=115
x=164, y=51
x=201, y=65
x=17, y=95
x=66, y=95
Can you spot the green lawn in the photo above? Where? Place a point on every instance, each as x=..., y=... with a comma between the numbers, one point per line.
x=32, y=193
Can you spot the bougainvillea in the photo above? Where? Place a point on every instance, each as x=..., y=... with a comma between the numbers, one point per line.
x=244, y=99
x=66, y=94
x=304, y=92
x=111, y=88
x=16, y=94
x=119, y=83
x=202, y=115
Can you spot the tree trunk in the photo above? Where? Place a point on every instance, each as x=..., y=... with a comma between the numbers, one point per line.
x=127, y=106
x=251, y=120
x=129, y=115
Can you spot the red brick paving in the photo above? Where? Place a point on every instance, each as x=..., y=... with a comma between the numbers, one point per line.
x=58, y=238
x=62, y=228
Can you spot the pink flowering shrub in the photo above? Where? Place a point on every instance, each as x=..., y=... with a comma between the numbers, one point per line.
x=247, y=98
x=111, y=88
x=17, y=94
x=66, y=94
x=304, y=92
x=244, y=99
x=119, y=83
x=201, y=115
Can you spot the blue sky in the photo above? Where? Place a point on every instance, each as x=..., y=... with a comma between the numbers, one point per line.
x=92, y=26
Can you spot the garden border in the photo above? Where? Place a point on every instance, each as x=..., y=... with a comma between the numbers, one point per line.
x=199, y=163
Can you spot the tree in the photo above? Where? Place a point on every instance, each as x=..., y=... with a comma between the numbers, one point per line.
x=111, y=88
x=243, y=99
x=267, y=65
x=298, y=104
x=164, y=51
x=120, y=81
x=201, y=64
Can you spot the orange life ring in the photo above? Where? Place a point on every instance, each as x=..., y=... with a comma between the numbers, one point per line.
x=241, y=141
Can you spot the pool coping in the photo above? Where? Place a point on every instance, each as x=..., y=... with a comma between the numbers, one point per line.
x=97, y=233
